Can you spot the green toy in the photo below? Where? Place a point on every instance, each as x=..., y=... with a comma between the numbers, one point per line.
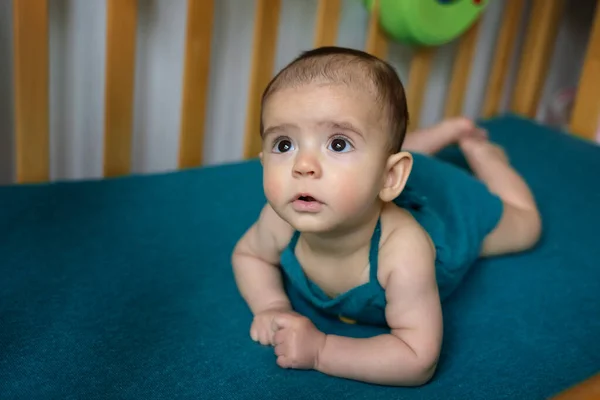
x=427, y=22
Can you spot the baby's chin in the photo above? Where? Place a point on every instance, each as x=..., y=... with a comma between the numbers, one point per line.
x=315, y=223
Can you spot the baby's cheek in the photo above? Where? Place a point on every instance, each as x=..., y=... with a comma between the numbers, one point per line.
x=273, y=189
x=351, y=197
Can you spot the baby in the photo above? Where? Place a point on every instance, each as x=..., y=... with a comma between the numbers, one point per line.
x=365, y=225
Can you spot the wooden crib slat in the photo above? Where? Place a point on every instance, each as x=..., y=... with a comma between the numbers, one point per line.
x=30, y=24
x=586, y=110
x=461, y=71
x=328, y=18
x=377, y=42
x=418, y=75
x=504, y=48
x=534, y=64
x=195, y=81
x=264, y=43
x=120, y=71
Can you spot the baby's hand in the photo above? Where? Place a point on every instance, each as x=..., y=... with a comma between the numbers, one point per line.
x=261, y=329
x=298, y=342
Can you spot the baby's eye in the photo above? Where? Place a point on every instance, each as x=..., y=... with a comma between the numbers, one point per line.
x=340, y=145
x=282, y=145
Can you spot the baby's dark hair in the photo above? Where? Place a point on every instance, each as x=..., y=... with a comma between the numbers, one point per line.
x=351, y=67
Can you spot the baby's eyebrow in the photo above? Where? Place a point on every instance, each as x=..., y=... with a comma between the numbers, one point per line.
x=344, y=125
x=279, y=128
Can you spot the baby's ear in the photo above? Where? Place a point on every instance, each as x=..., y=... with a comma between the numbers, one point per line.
x=260, y=156
x=396, y=172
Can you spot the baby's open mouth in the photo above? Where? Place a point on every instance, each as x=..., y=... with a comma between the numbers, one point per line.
x=306, y=198
x=304, y=202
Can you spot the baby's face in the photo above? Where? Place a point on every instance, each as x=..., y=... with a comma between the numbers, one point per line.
x=324, y=154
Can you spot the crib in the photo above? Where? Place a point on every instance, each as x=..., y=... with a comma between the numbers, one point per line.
x=121, y=287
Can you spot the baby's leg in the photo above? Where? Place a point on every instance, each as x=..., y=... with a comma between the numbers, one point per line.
x=520, y=225
x=433, y=139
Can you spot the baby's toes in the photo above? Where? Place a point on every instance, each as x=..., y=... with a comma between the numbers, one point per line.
x=460, y=124
x=482, y=150
x=479, y=133
x=471, y=145
x=499, y=152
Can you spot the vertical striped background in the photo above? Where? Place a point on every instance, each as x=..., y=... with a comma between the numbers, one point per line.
x=127, y=86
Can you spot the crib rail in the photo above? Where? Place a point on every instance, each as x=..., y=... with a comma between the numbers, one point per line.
x=584, y=121
x=32, y=82
x=31, y=90
x=120, y=70
x=266, y=23
x=195, y=81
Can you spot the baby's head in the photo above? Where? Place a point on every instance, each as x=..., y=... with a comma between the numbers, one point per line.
x=333, y=123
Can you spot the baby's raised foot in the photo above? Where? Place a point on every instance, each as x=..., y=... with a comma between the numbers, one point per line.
x=446, y=133
x=453, y=130
x=482, y=150
x=481, y=154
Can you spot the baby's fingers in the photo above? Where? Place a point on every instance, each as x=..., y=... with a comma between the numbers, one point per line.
x=279, y=350
x=284, y=362
x=265, y=337
x=279, y=337
x=261, y=334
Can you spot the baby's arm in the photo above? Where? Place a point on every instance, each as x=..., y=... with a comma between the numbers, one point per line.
x=255, y=262
x=408, y=355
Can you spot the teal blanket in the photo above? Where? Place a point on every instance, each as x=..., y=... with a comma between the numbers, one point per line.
x=122, y=289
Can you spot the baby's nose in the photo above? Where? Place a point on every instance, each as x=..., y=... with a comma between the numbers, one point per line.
x=307, y=165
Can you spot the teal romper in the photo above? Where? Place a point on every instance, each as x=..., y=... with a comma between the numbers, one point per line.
x=456, y=210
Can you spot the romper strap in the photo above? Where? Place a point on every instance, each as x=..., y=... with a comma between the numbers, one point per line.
x=374, y=251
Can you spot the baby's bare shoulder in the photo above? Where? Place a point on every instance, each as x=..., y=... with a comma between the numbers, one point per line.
x=405, y=249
